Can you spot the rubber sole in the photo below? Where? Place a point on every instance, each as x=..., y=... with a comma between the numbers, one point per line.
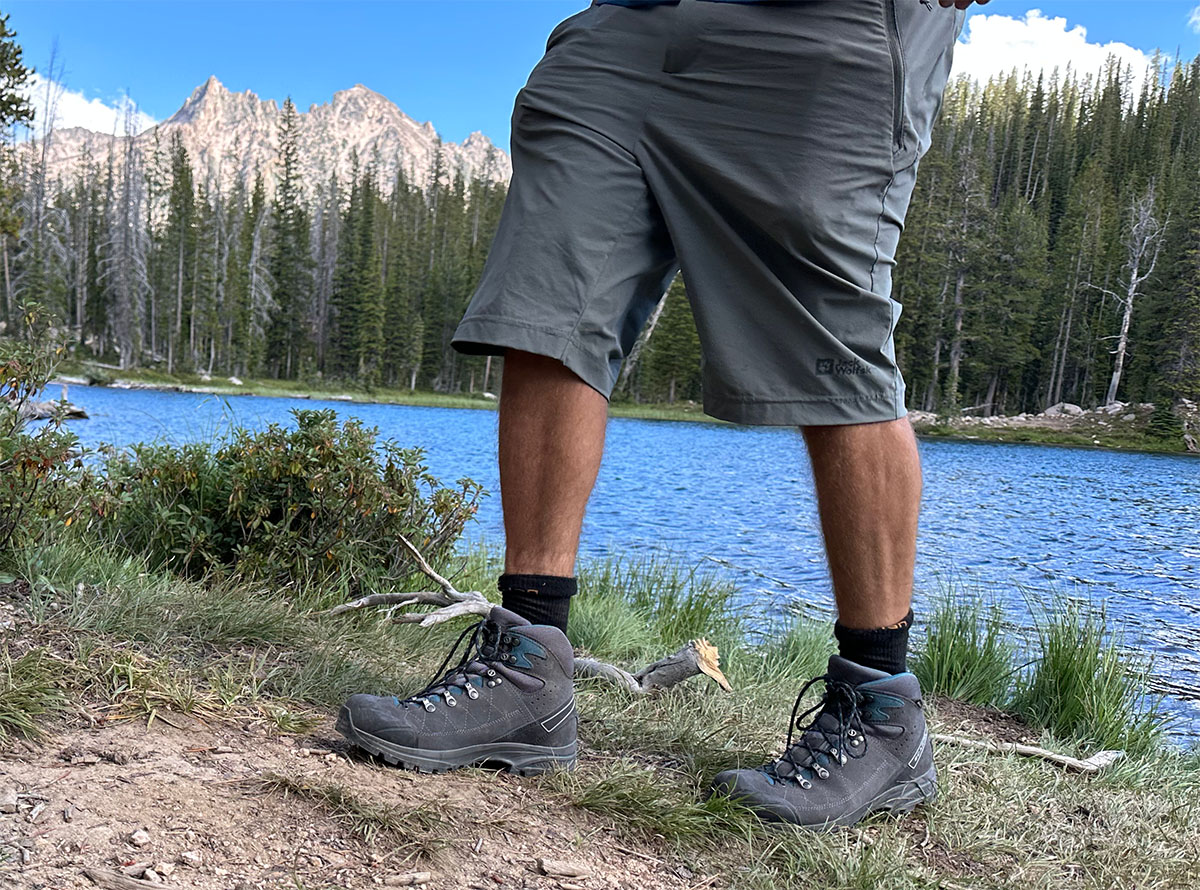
x=898, y=800
x=522, y=759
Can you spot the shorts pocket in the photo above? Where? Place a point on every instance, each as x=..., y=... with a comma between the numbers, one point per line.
x=896, y=49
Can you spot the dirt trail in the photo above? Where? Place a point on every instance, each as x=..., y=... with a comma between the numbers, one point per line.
x=215, y=807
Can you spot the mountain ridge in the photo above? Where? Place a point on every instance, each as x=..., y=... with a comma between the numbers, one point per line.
x=231, y=136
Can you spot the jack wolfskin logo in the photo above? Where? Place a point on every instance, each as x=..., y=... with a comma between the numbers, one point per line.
x=845, y=367
x=928, y=4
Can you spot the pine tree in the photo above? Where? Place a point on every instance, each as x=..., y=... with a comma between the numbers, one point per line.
x=290, y=260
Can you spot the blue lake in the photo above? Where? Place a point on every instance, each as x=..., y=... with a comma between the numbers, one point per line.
x=1009, y=520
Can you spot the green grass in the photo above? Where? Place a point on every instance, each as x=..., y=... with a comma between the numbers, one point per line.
x=1114, y=439
x=147, y=643
x=1086, y=687
x=965, y=653
x=31, y=689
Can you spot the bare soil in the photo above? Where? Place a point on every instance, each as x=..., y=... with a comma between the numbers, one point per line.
x=215, y=803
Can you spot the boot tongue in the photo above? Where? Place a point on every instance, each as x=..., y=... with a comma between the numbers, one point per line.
x=850, y=672
x=504, y=619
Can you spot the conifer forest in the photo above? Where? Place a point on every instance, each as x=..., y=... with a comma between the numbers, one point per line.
x=1052, y=253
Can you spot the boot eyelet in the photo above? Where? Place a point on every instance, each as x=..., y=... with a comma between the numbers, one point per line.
x=430, y=706
x=822, y=773
x=805, y=784
x=451, y=701
x=472, y=692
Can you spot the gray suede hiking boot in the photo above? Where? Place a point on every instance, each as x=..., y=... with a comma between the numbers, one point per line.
x=866, y=750
x=509, y=701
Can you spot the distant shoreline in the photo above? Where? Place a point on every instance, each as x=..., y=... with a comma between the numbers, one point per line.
x=1096, y=429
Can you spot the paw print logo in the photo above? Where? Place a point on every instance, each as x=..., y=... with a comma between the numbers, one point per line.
x=824, y=366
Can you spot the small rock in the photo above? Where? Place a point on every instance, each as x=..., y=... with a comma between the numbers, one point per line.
x=8, y=800
x=191, y=858
x=490, y=396
x=152, y=876
x=235, y=381
x=165, y=869
x=1129, y=418
x=562, y=869
x=135, y=869
x=408, y=880
x=140, y=838
x=69, y=813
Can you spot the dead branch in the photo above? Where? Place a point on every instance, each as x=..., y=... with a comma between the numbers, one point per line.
x=1093, y=764
x=697, y=657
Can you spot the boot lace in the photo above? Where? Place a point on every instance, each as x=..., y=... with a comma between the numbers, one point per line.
x=486, y=644
x=822, y=741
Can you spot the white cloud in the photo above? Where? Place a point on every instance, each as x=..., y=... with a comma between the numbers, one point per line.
x=996, y=44
x=1194, y=20
x=73, y=109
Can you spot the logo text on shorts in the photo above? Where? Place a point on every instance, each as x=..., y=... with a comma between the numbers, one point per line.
x=844, y=367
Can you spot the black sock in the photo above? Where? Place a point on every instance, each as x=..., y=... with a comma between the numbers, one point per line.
x=539, y=599
x=884, y=649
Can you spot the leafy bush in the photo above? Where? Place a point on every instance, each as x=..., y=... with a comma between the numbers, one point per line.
x=36, y=467
x=319, y=503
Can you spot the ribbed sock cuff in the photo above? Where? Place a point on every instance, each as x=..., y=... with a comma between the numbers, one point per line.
x=539, y=599
x=884, y=649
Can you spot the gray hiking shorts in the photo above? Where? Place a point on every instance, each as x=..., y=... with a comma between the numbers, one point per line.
x=769, y=149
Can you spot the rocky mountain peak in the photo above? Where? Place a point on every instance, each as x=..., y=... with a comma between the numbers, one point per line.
x=231, y=136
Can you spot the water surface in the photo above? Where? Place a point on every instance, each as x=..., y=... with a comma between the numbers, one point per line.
x=1117, y=528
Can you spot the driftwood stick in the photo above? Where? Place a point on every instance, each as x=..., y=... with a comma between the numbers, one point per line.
x=425, y=567
x=697, y=657
x=602, y=670
x=1093, y=764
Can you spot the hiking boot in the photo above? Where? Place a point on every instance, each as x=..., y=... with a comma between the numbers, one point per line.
x=866, y=750
x=509, y=701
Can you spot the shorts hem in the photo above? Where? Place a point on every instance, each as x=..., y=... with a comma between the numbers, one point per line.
x=832, y=411
x=492, y=335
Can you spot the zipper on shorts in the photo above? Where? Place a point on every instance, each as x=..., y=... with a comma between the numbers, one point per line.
x=893, y=37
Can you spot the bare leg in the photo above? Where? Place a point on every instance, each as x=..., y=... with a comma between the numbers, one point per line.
x=868, y=480
x=551, y=441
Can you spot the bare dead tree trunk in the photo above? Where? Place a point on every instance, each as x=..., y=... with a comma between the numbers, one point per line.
x=640, y=344
x=1144, y=244
x=956, y=343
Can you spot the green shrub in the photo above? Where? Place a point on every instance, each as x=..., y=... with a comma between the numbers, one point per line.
x=36, y=468
x=322, y=503
x=1164, y=423
x=1084, y=686
x=965, y=653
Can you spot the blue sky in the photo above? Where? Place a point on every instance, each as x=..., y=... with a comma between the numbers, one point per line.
x=457, y=63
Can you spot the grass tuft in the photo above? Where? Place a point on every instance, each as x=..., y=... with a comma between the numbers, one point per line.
x=965, y=653
x=1085, y=687
x=31, y=687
